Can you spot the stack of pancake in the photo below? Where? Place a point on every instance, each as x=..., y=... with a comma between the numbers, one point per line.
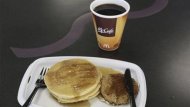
x=73, y=80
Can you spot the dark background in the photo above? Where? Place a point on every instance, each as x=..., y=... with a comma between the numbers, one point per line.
x=159, y=44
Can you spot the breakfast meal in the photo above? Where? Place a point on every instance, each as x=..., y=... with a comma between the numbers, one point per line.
x=75, y=80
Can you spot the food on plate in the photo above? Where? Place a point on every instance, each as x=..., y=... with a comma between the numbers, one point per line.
x=113, y=89
x=73, y=80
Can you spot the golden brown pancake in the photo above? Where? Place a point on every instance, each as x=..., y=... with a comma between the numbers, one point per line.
x=88, y=96
x=73, y=79
x=113, y=89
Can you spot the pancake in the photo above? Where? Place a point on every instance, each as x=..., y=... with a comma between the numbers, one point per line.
x=73, y=80
x=113, y=89
x=88, y=96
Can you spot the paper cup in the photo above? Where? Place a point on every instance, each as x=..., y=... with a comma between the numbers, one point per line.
x=109, y=25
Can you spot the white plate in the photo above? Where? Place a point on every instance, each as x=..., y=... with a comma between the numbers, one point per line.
x=44, y=99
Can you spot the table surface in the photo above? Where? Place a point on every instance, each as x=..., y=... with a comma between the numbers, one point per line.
x=156, y=37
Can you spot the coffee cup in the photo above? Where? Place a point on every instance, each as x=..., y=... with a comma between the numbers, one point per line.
x=109, y=18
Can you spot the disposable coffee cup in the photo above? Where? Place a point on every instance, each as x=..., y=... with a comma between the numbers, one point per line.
x=109, y=18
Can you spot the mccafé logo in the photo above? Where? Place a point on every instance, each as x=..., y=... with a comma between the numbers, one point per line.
x=105, y=31
x=104, y=26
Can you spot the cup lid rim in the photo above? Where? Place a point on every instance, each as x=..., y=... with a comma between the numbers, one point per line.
x=110, y=16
